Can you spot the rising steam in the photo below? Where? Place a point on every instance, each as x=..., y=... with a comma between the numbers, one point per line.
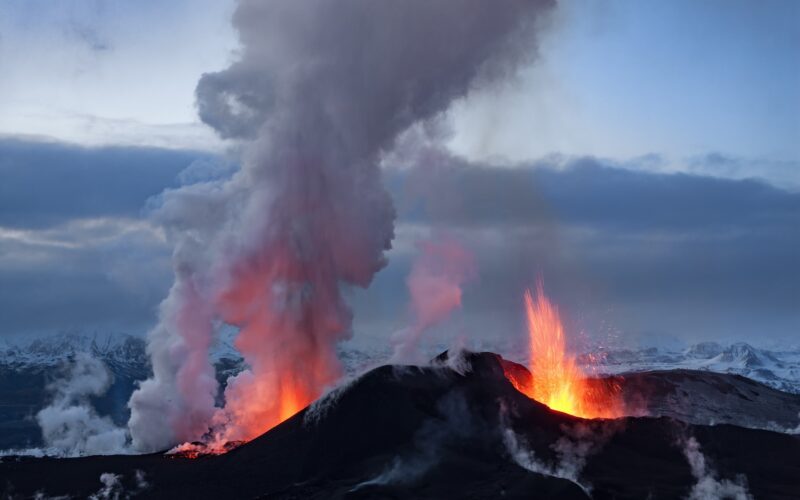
x=318, y=95
x=573, y=449
x=70, y=425
x=708, y=485
x=437, y=275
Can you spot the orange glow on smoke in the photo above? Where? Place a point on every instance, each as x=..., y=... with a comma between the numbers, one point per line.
x=267, y=401
x=556, y=379
x=287, y=341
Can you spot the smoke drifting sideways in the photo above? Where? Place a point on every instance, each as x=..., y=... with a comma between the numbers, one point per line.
x=319, y=94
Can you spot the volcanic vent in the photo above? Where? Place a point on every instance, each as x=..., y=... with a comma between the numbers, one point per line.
x=454, y=429
x=555, y=378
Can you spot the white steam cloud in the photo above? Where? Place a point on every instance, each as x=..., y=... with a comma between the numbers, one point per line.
x=319, y=94
x=708, y=486
x=112, y=487
x=70, y=425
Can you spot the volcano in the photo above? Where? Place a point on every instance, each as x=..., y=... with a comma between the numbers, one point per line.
x=457, y=428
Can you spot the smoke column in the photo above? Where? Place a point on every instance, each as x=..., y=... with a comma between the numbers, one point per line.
x=318, y=95
x=435, y=282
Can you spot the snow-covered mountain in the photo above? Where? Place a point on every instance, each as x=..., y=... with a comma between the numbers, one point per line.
x=126, y=354
x=27, y=365
x=120, y=352
x=777, y=369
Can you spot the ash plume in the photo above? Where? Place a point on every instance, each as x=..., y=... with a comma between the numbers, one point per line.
x=70, y=425
x=319, y=94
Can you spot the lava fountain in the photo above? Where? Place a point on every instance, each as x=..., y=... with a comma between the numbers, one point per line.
x=556, y=379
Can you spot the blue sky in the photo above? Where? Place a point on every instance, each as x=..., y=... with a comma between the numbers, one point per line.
x=110, y=71
x=615, y=79
x=637, y=126
x=689, y=77
x=622, y=79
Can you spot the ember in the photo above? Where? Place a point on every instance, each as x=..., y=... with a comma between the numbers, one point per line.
x=199, y=449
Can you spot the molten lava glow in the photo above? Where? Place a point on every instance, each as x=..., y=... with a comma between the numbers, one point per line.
x=556, y=380
x=287, y=341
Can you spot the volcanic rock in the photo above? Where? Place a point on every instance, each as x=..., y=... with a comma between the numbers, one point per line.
x=454, y=429
x=704, y=397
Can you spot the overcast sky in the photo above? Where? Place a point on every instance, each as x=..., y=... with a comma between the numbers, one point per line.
x=647, y=165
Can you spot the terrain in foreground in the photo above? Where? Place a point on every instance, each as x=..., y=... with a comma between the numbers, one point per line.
x=458, y=429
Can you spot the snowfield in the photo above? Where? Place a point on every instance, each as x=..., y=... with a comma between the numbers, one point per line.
x=779, y=369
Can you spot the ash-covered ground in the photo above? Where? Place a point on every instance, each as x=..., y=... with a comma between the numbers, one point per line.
x=458, y=429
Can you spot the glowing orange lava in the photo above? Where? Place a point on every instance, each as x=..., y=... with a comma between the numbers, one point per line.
x=556, y=379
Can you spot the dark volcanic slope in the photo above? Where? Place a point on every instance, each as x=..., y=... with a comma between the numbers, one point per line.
x=704, y=397
x=433, y=432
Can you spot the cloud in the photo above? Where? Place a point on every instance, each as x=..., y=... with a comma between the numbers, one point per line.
x=46, y=183
x=783, y=173
x=625, y=252
x=595, y=193
x=75, y=248
x=614, y=81
x=623, y=249
x=105, y=273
